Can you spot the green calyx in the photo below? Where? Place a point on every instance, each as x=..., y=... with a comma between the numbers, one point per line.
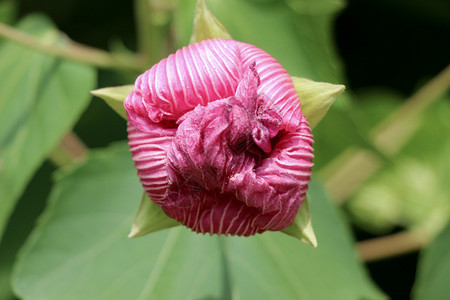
x=302, y=228
x=114, y=97
x=150, y=218
x=206, y=25
x=316, y=97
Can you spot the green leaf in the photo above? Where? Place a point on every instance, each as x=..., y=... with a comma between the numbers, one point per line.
x=206, y=26
x=150, y=218
x=114, y=97
x=316, y=98
x=80, y=250
x=314, y=22
x=302, y=228
x=40, y=100
x=434, y=269
x=21, y=223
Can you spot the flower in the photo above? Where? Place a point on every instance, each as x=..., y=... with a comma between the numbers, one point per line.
x=219, y=140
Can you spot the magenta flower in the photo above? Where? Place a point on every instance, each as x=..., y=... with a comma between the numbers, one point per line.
x=219, y=140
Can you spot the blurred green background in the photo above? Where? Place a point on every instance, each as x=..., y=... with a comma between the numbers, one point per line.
x=384, y=52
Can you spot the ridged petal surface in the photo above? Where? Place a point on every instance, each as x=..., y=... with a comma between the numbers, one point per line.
x=219, y=140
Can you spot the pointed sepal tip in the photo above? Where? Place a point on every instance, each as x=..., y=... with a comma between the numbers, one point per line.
x=114, y=97
x=302, y=228
x=316, y=97
x=150, y=218
x=206, y=25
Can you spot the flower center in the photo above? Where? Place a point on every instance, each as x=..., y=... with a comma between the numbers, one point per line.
x=215, y=142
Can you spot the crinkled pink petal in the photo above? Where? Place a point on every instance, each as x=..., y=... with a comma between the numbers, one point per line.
x=219, y=140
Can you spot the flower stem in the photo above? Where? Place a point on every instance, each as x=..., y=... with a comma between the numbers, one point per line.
x=70, y=149
x=152, y=22
x=143, y=28
x=349, y=170
x=391, y=134
x=391, y=245
x=73, y=51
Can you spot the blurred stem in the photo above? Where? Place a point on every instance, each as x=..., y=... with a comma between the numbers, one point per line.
x=391, y=245
x=347, y=172
x=144, y=29
x=73, y=51
x=391, y=134
x=150, y=34
x=71, y=149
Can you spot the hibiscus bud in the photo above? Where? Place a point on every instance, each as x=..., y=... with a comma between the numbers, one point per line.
x=219, y=140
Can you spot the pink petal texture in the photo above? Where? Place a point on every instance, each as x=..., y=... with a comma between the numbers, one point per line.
x=219, y=140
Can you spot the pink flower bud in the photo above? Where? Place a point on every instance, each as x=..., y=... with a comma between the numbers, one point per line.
x=219, y=140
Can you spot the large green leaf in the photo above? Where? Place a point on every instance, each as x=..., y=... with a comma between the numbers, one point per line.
x=434, y=270
x=21, y=223
x=314, y=23
x=80, y=250
x=40, y=99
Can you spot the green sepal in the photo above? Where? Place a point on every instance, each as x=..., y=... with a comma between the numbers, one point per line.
x=206, y=25
x=114, y=97
x=316, y=98
x=302, y=228
x=150, y=218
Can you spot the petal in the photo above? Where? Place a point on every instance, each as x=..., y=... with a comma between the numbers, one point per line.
x=208, y=71
x=276, y=85
x=280, y=181
x=149, y=154
x=215, y=213
x=248, y=86
x=196, y=74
